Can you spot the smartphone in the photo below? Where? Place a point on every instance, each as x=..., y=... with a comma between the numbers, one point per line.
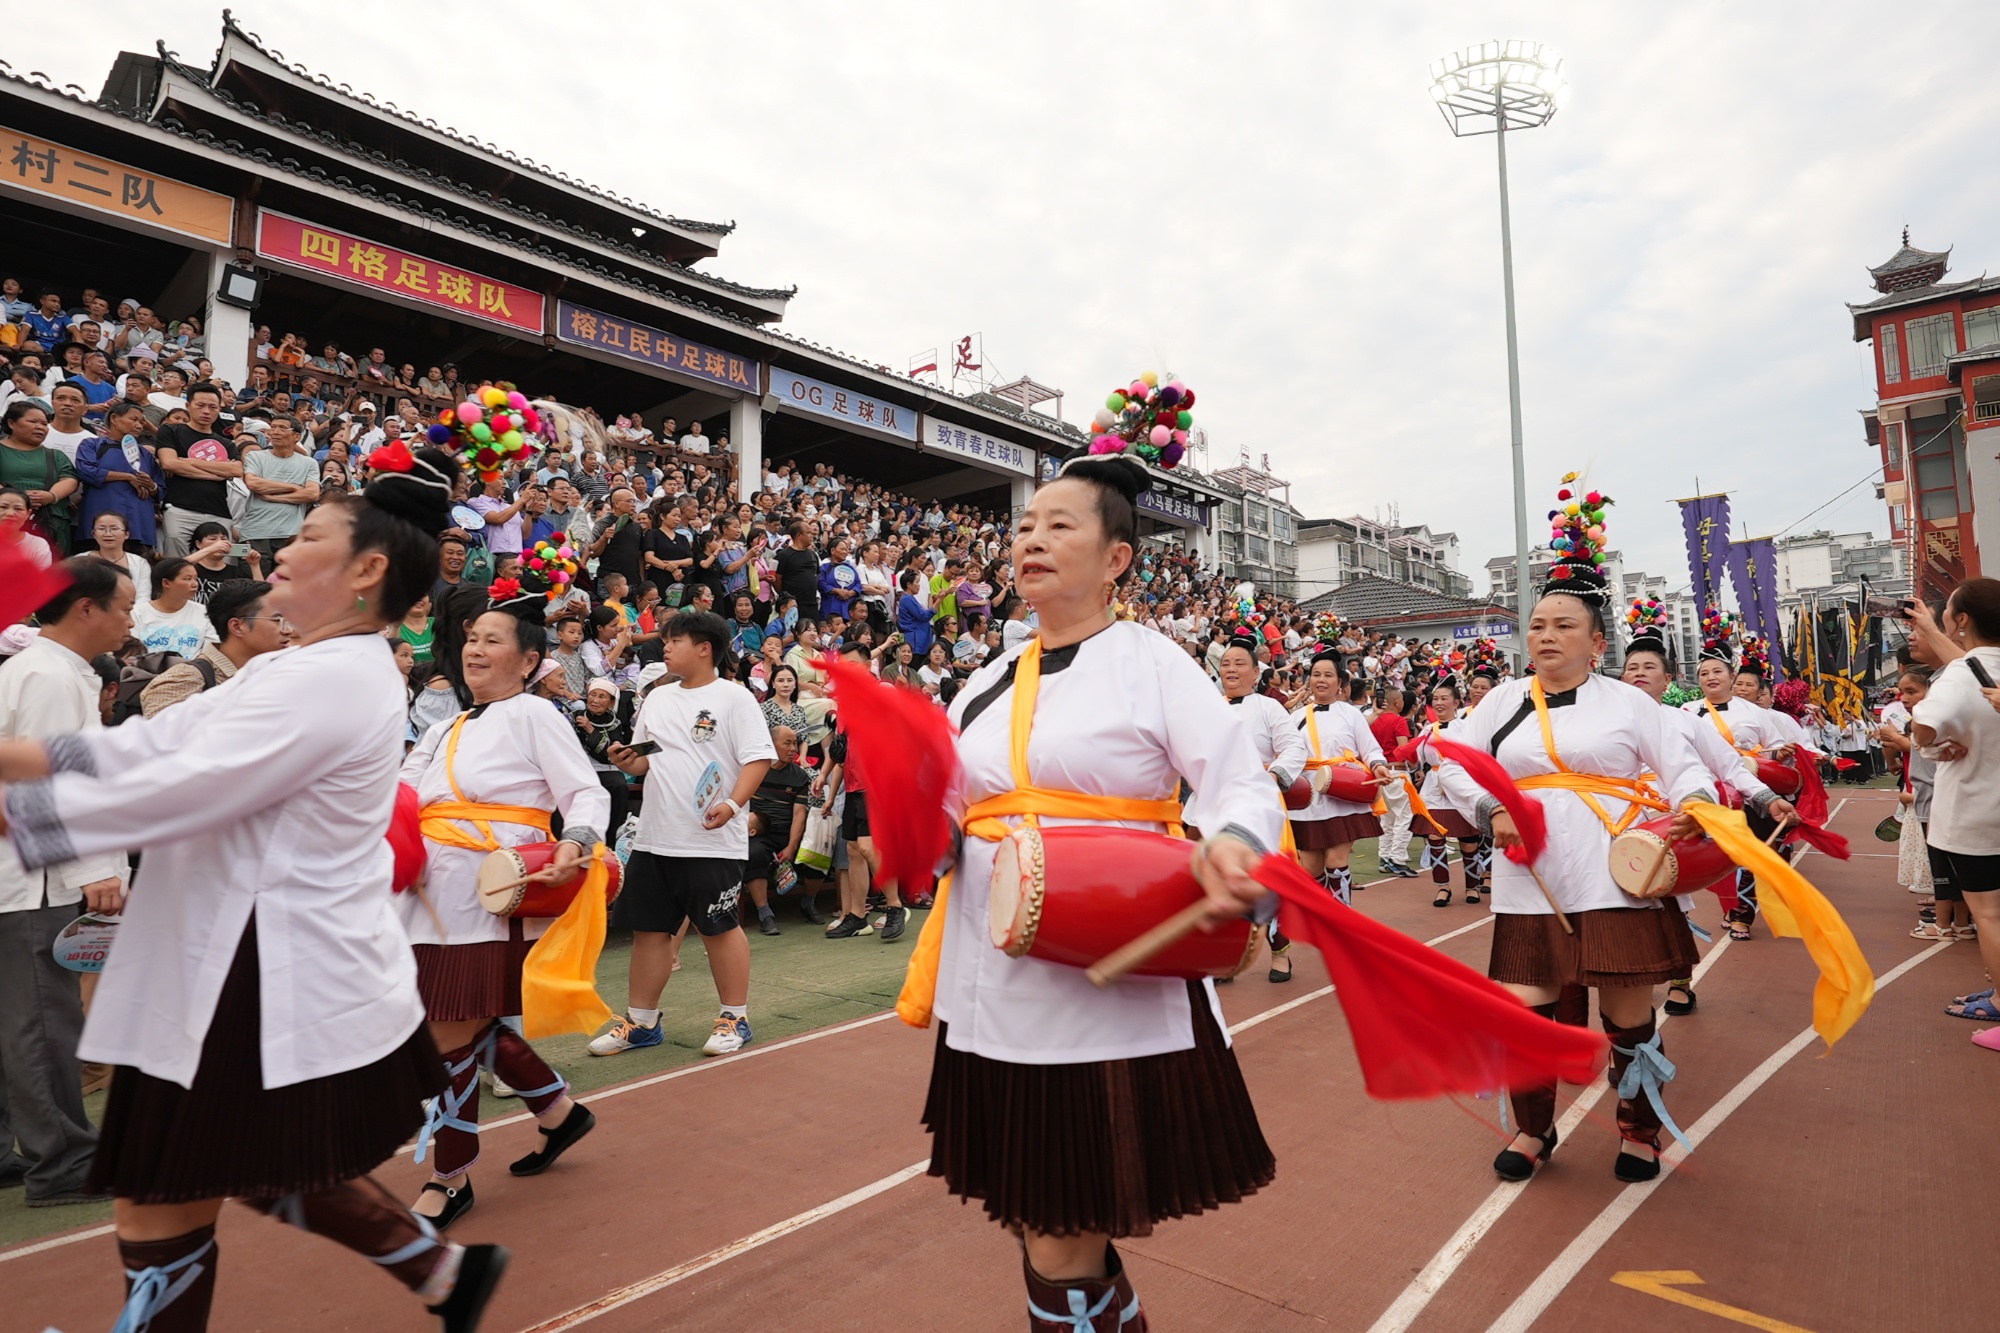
x=646, y=748
x=239, y=550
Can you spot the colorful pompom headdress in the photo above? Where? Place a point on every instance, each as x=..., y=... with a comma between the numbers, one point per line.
x=1576, y=535
x=1483, y=659
x=1150, y=418
x=1756, y=657
x=1327, y=627
x=555, y=564
x=1647, y=619
x=1719, y=629
x=496, y=427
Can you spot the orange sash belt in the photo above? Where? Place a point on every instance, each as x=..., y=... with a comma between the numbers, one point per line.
x=1637, y=792
x=559, y=975
x=986, y=820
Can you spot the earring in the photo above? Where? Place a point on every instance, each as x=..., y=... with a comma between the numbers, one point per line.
x=1110, y=590
x=360, y=602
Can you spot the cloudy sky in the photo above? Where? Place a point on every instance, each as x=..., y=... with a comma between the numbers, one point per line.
x=1262, y=199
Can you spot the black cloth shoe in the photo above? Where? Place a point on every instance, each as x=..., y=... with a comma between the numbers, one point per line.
x=557, y=1141
x=479, y=1271
x=767, y=922
x=1680, y=1008
x=893, y=922
x=1511, y=1165
x=1636, y=1170
x=457, y=1203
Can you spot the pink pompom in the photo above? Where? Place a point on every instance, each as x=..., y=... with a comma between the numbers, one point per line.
x=1160, y=436
x=1180, y=438
x=471, y=413
x=1177, y=387
x=517, y=400
x=1107, y=444
x=560, y=576
x=1138, y=390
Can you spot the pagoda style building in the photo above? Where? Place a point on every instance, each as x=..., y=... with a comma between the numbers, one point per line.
x=1936, y=419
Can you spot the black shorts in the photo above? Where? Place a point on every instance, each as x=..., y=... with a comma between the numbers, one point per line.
x=763, y=858
x=662, y=892
x=1954, y=874
x=854, y=817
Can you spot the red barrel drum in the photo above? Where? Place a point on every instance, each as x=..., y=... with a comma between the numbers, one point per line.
x=1646, y=863
x=1780, y=778
x=1073, y=895
x=502, y=893
x=1351, y=782
x=406, y=839
x=1300, y=794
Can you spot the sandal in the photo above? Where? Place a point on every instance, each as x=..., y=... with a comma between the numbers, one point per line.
x=1981, y=1010
x=1739, y=930
x=1968, y=932
x=1444, y=897
x=1929, y=930
x=1986, y=994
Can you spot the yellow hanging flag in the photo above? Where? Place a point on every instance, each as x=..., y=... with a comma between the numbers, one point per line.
x=1794, y=908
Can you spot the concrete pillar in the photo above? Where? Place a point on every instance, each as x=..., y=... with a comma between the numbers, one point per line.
x=1022, y=490
x=1205, y=546
x=746, y=438
x=228, y=328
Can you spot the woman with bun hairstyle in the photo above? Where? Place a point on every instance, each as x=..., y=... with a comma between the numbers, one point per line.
x=1079, y=1115
x=262, y=1007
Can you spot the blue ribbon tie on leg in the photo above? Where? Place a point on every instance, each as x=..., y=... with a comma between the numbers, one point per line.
x=1649, y=1072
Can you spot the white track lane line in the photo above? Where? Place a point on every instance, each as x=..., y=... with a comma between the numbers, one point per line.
x=624, y=1296
x=1431, y=1278
x=1542, y=1292
x=92, y=1233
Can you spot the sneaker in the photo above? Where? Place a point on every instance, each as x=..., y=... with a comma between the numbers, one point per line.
x=810, y=910
x=729, y=1036
x=848, y=927
x=892, y=924
x=500, y=1088
x=627, y=1035
x=1399, y=869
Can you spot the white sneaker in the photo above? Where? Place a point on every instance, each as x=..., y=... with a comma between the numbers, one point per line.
x=500, y=1089
x=730, y=1036
x=626, y=1035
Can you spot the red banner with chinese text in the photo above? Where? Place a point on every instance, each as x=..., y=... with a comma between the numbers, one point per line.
x=397, y=273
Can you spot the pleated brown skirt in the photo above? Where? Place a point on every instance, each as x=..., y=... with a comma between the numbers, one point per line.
x=464, y=981
x=1316, y=835
x=1113, y=1146
x=1615, y=946
x=228, y=1135
x=1454, y=824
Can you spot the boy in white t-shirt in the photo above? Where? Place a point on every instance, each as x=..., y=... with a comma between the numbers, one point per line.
x=710, y=749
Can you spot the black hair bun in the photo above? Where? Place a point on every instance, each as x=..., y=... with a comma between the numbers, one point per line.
x=1121, y=473
x=421, y=495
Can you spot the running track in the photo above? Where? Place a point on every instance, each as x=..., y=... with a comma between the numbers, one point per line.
x=784, y=1188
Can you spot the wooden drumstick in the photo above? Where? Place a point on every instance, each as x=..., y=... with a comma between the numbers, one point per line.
x=1772, y=841
x=1560, y=916
x=1138, y=952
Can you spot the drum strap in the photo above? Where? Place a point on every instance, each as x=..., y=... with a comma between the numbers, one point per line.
x=986, y=819
x=436, y=819
x=1636, y=792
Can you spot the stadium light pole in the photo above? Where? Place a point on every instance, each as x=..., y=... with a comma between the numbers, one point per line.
x=1493, y=88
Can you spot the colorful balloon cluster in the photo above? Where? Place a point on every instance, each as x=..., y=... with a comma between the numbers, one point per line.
x=1148, y=417
x=557, y=564
x=488, y=431
x=1576, y=530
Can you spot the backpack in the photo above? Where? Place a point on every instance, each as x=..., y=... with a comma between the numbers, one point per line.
x=136, y=676
x=479, y=567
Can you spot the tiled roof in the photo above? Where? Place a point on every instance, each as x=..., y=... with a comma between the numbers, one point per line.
x=1908, y=258
x=230, y=25
x=384, y=162
x=1370, y=600
x=1912, y=296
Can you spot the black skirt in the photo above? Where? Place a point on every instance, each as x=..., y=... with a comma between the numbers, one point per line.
x=1613, y=946
x=1112, y=1147
x=465, y=981
x=230, y=1136
x=1317, y=835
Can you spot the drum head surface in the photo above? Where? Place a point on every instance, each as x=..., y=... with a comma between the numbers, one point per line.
x=1003, y=894
x=1642, y=864
x=496, y=872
